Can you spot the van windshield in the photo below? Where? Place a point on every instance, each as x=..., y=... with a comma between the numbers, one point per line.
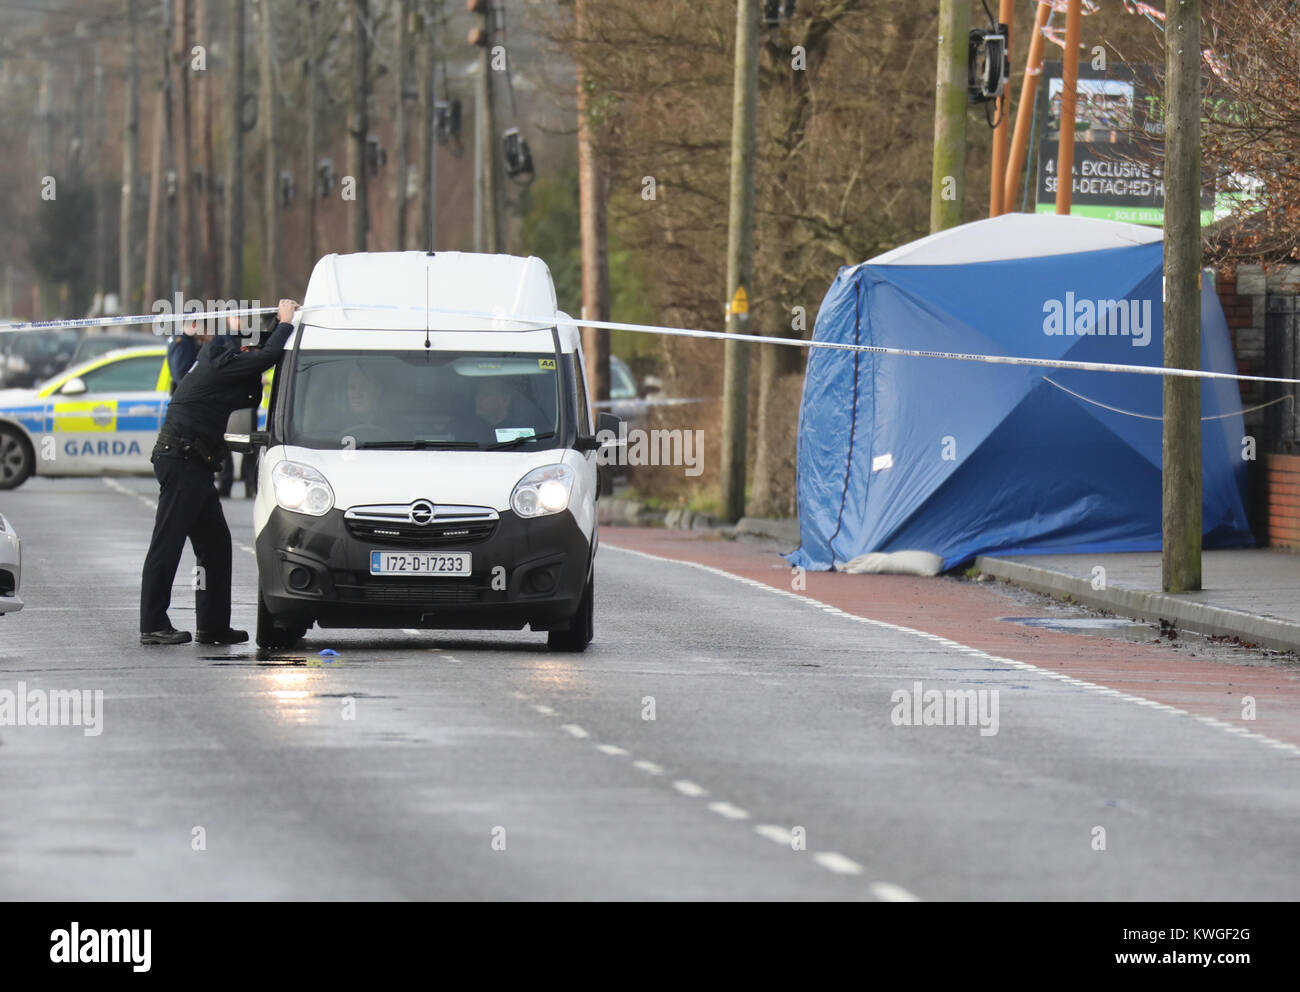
x=421, y=399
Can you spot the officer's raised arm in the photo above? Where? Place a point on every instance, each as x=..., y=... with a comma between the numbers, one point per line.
x=257, y=360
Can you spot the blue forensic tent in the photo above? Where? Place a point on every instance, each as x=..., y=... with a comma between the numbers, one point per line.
x=960, y=458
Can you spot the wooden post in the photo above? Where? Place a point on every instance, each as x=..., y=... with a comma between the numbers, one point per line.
x=1180, y=560
x=1001, y=133
x=1025, y=108
x=1069, y=107
x=948, y=177
x=740, y=260
x=592, y=194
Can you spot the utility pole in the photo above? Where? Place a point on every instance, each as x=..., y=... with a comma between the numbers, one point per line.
x=1069, y=107
x=402, y=12
x=740, y=260
x=232, y=255
x=271, y=289
x=948, y=179
x=313, y=132
x=488, y=153
x=1001, y=133
x=593, y=191
x=183, y=145
x=130, y=163
x=1025, y=108
x=359, y=125
x=1180, y=559
x=428, y=128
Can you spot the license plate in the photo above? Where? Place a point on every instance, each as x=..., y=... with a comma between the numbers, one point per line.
x=456, y=563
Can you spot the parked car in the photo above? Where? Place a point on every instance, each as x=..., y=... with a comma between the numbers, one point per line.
x=102, y=416
x=11, y=568
x=31, y=356
x=94, y=344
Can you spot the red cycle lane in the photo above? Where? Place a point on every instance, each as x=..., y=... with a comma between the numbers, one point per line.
x=972, y=615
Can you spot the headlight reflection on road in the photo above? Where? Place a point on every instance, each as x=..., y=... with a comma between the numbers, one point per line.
x=289, y=687
x=553, y=673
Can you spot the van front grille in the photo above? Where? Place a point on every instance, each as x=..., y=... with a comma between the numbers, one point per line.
x=421, y=525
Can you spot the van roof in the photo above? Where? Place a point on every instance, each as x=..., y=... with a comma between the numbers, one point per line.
x=406, y=280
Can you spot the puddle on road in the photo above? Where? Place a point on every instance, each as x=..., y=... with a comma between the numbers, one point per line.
x=1069, y=625
x=265, y=659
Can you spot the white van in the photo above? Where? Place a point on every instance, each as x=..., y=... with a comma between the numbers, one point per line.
x=424, y=469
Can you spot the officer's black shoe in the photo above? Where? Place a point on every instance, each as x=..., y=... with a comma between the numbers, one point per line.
x=169, y=636
x=227, y=636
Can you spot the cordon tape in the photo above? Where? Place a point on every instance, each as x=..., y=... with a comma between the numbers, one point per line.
x=688, y=332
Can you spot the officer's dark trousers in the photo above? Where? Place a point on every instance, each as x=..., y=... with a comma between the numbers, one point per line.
x=188, y=507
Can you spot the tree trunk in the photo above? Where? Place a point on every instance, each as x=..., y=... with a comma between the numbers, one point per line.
x=232, y=255
x=402, y=12
x=130, y=164
x=313, y=134
x=207, y=200
x=270, y=285
x=359, y=125
x=183, y=146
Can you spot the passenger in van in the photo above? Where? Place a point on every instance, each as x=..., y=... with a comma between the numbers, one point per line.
x=363, y=395
x=499, y=405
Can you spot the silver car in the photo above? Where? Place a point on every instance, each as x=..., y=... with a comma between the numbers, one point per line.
x=11, y=567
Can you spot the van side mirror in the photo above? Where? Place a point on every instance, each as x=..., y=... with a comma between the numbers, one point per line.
x=606, y=424
x=246, y=444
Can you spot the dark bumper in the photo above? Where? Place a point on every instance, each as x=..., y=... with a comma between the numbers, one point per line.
x=526, y=572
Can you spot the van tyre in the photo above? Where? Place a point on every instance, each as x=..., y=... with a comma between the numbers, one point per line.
x=17, y=460
x=270, y=634
x=581, y=628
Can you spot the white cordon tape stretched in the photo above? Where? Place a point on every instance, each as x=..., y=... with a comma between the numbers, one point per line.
x=166, y=318
x=686, y=332
x=1047, y=363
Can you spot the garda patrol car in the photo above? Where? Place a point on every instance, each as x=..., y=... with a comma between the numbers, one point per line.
x=98, y=418
x=426, y=469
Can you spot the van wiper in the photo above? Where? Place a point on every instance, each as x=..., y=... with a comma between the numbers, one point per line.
x=519, y=440
x=419, y=445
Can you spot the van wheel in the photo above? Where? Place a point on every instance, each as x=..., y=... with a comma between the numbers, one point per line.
x=578, y=634
x=270, y=634
x=17, y=460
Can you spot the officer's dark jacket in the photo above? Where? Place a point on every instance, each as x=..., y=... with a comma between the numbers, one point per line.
x=224, y=380
x=181, y=352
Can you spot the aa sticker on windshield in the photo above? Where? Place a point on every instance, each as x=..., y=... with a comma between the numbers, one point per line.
x=546, y=363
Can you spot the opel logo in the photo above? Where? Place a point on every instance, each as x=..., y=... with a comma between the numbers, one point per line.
x=421, y=512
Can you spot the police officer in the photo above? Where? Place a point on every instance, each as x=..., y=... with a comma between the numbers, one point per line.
x=190, y=447
x=182, y=352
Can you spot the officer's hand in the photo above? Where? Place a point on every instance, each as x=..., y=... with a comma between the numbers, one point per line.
x=287, y=309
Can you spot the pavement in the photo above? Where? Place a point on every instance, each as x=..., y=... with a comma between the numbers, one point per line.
x=1252, y=594
x=735, y=731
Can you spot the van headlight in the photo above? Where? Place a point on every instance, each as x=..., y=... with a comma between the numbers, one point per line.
x=543, y=490
x=302, y=489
